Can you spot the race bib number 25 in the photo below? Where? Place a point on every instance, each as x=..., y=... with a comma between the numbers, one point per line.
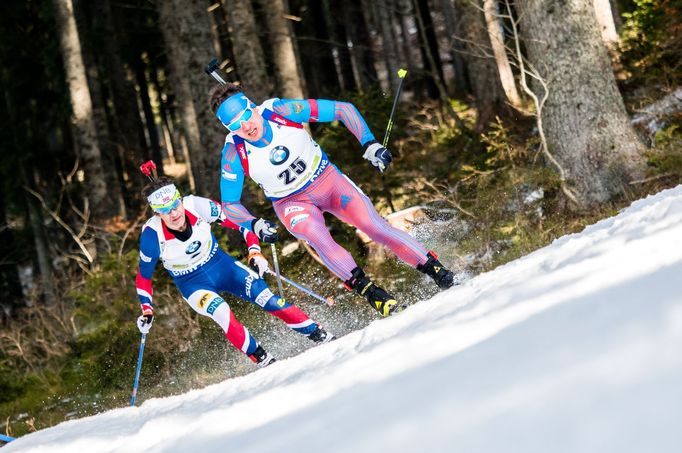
x=295, y=169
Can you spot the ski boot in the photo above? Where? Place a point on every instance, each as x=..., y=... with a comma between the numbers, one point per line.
x=383, y=302
x=262, y=358
x=439, y=273
x=319, y=335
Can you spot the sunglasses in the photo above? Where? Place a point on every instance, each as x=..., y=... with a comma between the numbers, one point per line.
x=235, y=125
x=168, y=207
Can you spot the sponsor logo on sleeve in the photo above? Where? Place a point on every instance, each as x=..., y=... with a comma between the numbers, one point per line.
x=204, y=299
x=247, y=284
x=145, y=258
x=215, y=210
x=228, y=175
x=215, y=303
x=263, y=297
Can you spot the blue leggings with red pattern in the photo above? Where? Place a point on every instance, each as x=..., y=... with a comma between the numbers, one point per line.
x=201, y=290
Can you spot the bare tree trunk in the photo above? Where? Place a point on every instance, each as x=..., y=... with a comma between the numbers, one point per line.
x=361, y=45
x=320, y=70
x=413, y=58
x=587, y=127
x=86, y=22
x=35, y=220
x=429, y=47
x=170, y=136
x=10, y=283
x=388, y=41
x=39, y=241
x=486, y=86
x=289, y=79
x=455, y=47
x=186, y=30
x=128, y=133
x=219, y=17
x=607, y=25
x=249, y=58
x=494, y=25
x=609, y=34
x=83, y=126
x=147, y=111
x=334, y=17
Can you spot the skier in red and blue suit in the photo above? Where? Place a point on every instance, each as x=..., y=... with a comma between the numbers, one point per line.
x=268, y=143
x=180, y=235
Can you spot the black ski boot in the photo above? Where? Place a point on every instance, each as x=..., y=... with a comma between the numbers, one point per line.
x=262, y=358
x=320, y=335
x=434, y=269
x=383, y=302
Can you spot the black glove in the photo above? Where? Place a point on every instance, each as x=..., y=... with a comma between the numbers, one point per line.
x=378, y=156
x=265, y=230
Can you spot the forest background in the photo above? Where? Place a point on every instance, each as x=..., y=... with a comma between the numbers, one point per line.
x=518, y=123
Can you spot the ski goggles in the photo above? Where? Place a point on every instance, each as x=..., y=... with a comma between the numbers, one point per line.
x=165, y=199
x=236, y=106
x=235, y=125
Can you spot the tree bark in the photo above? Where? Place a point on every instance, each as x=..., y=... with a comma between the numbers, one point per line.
x=429, y=46
x=319, y=71
x=289, y=79
x=607, y=25
x=34, y=218
x=455, y=47
x=128, y=130
x=334, y=18
x=87, y=23
x=249, y=57
x=10, y=283
x=413, y=58
x=361, y=44
x=82, y=124
x=150, y=123
x=186, y=30
x=586, y=125
x=39, y=240
x=388, y=42
x=494, y=26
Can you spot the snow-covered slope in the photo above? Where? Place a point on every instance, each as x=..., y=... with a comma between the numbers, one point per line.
x=574, y=348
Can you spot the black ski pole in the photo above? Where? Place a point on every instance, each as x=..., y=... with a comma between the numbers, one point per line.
x=401, y=74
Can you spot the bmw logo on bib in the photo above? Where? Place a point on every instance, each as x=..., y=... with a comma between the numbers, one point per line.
x=193, y=247
x=279, y=155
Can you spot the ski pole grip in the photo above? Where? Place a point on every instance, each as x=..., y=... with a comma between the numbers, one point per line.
x=149, y=170
x=213, y=70
x=212, y=66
